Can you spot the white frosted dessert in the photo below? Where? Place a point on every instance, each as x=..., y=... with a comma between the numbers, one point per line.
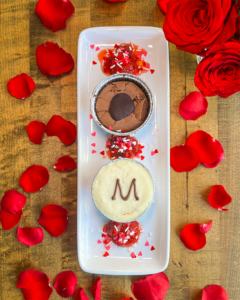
x=123, y=190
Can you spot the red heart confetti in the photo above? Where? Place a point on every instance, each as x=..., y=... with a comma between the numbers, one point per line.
x=80, y=295
x=205, y=145
x=214, y=291
x=96, y=289
x=35, y=285
x=152, y=248
x=93, y=144
x=97, y=49
x=30, y=236
x=94, y=151
x=147, y=243
x=184, y=158
x=110, y=128
x=54, y=219
x=193, y=106
x=103, y=152
x=93, y=134
x=206, y=227
x=140, y=253
x=36, y=131
x=65, y=284
x=220, y=156
x=21, y=86
x=192, y=237
x=9, y=220
x=65, y=163
x=94, y=63
x=142, y=157
x=153, y=287
x=133, y=255
x=53, y=60
x=54, y=14
x=65, y=130
x=92, y=46
x=90, y=116
x=99, y=242
x=34, y=179
x=152, y=71
x=218, y=197
x=156, y=151
x=106, y=254
x=13, y=201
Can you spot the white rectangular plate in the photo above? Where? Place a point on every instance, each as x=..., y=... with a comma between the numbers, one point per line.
x=156, y=221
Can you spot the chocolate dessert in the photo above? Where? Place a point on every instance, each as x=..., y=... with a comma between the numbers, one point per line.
x=122, y=105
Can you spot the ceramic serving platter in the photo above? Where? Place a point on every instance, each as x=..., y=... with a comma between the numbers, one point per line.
x=155, y=135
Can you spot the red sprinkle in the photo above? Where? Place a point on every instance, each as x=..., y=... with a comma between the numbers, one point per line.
x=103, y=152
x=93, y=134
x=90, y=116
x=152, y=248
x=106, y=254
x=152, y=71
x=142, y=157
x=156, y=151
x=94, y=63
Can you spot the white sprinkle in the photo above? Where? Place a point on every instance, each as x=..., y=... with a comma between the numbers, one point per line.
x=113, y=146
x=136, y=237
x=130, y=48
x=112, y=152
x=116, y=147
x=150, y=234
x=141, y=230
x=152, y=161
x=91, y=229
x=120, y=150
x=116, y=227
x=134, y=143
x=134, y=245
x=119, y=66
x=132, y=233
x=157, y=129
x=120, y=240
x=121, y=63
x=149, y=239
x=130, y=249
x=145, y=68
x=130, y=148
x=102, y=232
x=124, y=148
x=112, y=66
x=126, y=229
x=119, y=130
x=153, y=131
x=124, y=241
x=109, y=244
x=153, y=123
x=127, y=237
x=131, y=135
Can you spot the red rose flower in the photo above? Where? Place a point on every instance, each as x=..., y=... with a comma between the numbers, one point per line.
x=197, y=25
x=238, y=27
x=219, y=72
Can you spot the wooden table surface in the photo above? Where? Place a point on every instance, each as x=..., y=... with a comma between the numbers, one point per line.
x=188, y=272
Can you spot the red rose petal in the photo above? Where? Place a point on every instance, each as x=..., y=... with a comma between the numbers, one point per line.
x=65, y=130
x=152, y=71
x=184, y=158
x=163, y=5
x=54, y=219
x=152, y=248
x=193, y=106
x=147, y=243
x=140, y=253
x=94, y=63
x=153, y=287
x=13, y=201
x=192, y=237
x=206, y=227
x=205, y=145
x=21, y=86
x=34, y=178
x=53, y=60
x=65, y=284
x=94, y=151
x=214, y=291
x=142, y=157
x=65, y=163
x=80, y=295
x=106, y=254
x=93, y=134
x=54, y=14
x=220, y=156
x=90, y=116
x=30, y=236
x=35, y=285
x=36, y=131
x=96, y=289
x=93, y=144
x=218, y=197
x=103, y=152
x=9, y=220
x=133, y=255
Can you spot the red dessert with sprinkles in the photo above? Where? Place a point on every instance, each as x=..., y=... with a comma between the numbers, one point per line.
x=124, y=146
x=122, y=234
x=124, y=58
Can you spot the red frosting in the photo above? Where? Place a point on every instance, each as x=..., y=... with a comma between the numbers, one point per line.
x=124, y=58
x=123, y=234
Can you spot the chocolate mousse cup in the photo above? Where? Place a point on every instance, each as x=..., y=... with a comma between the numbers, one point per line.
x=137, y=113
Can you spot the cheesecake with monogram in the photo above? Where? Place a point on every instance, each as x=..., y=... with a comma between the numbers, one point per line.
x=123, y=190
